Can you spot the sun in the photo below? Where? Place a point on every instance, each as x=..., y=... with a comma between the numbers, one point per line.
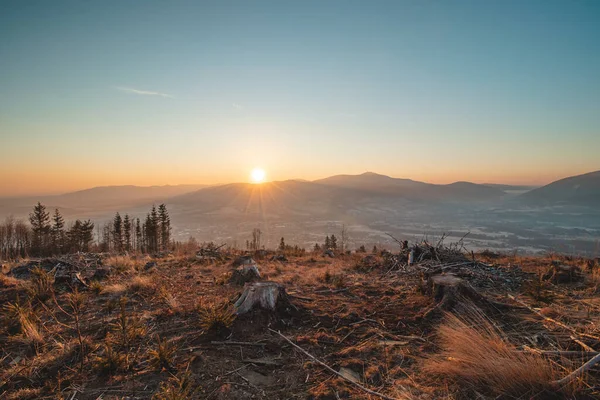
x=258, y=175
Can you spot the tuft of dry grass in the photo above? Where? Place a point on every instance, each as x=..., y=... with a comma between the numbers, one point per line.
x=216, y=317
x=8, y=281
x=176, y=388
x=96, y=287
x=142, y=284
x=122, y=264
x=168, y=299
x=110, y=361
x=473, y=351
x=41, y=286
x=23, y=317
x=161, y=357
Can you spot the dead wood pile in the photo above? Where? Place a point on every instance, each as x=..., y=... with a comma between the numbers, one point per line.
x=210, y=252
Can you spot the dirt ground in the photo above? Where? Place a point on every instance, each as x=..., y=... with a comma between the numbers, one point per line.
x=147, y=330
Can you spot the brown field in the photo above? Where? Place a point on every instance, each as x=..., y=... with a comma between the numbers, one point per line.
x=170, y=332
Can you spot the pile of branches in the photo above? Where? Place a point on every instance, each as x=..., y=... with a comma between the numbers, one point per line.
x=210, y=252
x=426, y=254
x=429, y=259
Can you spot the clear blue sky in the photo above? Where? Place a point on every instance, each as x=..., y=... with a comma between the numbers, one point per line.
x=157, y=92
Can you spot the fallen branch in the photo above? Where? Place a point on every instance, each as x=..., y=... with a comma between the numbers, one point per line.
x=361, y=387
x=579, y=371
x=239, y=343
x=567, y=327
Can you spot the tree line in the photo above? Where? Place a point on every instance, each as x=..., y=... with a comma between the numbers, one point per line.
x=47, y=234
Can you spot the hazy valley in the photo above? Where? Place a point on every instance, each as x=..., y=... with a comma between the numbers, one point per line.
x=563, y=216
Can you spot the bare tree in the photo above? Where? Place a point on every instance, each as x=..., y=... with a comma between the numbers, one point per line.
x=343, y=238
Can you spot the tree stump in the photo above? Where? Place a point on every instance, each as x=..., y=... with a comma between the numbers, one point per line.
x=448, y=290
x=241, y=276
x=559, y=273
x=243, y=260
x=269, y=296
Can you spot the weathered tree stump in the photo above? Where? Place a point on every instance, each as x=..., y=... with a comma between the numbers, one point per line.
x=243, y=260
x=269, y=296
x=448, y=290
x=559, y=273
x=245, y=274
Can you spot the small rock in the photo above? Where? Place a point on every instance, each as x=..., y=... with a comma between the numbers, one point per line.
x=149, y=265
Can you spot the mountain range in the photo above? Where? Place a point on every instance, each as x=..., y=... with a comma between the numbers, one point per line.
x=326, y=197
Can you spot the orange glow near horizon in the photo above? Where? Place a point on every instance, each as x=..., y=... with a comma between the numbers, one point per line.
x=58, y=180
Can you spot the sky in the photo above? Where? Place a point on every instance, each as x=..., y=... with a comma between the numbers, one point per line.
x=154, y=92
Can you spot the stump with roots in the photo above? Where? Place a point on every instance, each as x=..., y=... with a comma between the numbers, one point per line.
x=448, y=290
x=269, y=296
x=245, y=274
x=559, y=273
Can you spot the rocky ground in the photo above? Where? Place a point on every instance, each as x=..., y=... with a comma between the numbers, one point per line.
x=449, y=324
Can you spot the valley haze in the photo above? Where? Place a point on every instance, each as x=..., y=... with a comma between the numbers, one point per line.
x=563, y=216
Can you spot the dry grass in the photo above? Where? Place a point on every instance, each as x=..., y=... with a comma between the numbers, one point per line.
x=474, y=351
x=96, y=287
x=24, y=318
x=8, y=281
x=176, y=388
x=168, y=299
x=142, y=284
x=41, y=286
x=216, y=318
x=110, y=361
x=122, y=264
x=161, y=357
x=114, y=289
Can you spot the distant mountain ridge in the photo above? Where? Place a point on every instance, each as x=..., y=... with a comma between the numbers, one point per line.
x=582, y=190
x=331, y=195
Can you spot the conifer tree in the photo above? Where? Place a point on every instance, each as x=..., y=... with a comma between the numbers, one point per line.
x=165, y=227
x=282, y=245
x=327, y=243
x=86, y=235
x=58, y=232
x=74, y=235
x=333, y=242
x=127, y=232
x=118, y=233
x=40, y=229
x=138, y=235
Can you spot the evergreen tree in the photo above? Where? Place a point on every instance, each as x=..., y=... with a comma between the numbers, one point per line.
x=282, y=245
x=154, y=230
x=86, y=235
x=127, y=232
x=40, y=229
x=138, y=235
x=317, y=248
x=58, y=232
x=151, y=231
x=165, y=227
x=327, y=244
x=333, y=242
x=74, y=236
x=374, y=250
x=105, y=244
x=118, y=233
